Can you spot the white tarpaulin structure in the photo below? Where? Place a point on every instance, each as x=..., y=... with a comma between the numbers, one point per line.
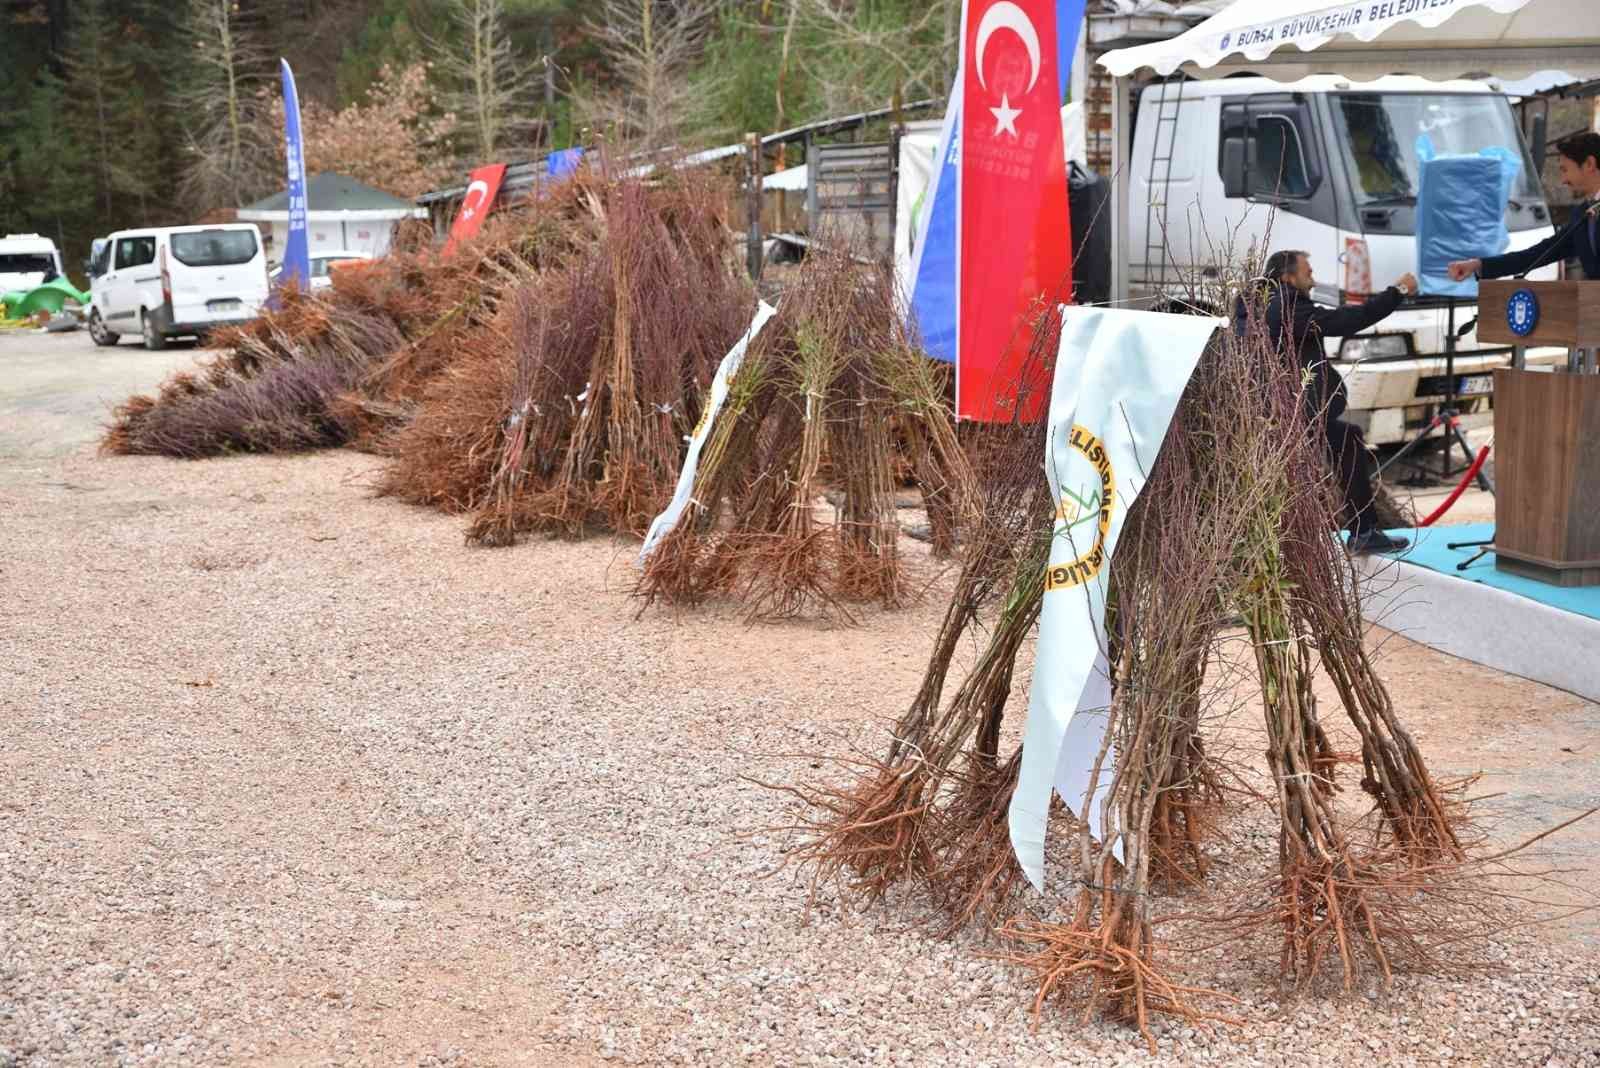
x=1357, y=39
x=1366, y=39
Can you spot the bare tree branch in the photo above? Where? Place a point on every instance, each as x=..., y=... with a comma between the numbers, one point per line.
x=221, y=89
x=488, y=86
x=650, y=46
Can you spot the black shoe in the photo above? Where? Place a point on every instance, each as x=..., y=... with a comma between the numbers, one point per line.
x=1376, y=541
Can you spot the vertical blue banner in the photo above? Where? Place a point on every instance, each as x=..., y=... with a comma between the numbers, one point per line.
x=1069, y=23
x=296, y=250
x=935, y=299
x=932, y=286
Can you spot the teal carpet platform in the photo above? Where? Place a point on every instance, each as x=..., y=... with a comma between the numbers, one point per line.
x=1430, y=549
x=1545, y=633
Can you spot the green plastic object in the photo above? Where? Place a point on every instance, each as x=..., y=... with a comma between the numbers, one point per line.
x=49, y=297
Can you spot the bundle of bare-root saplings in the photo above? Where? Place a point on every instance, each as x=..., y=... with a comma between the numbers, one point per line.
x=1236, y=523
x=546, y=377
x=603, y=367
x=347, y=365
x=831, y=390
x=542, y=377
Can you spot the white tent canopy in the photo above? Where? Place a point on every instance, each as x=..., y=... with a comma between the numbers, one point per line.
x=1366, y=39
x=1360, y=40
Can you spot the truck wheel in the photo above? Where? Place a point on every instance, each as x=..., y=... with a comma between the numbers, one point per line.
x=152, y=336
x=98, y=331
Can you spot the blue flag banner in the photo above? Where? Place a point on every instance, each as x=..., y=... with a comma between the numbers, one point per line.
x=932, y=285
x=931, y=289
x=1069, y=23
x=563, y=162
x=296, y=250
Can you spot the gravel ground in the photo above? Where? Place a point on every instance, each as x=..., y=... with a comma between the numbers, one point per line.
x=289, y=776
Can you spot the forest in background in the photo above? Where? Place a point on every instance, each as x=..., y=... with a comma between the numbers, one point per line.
x=124, y=113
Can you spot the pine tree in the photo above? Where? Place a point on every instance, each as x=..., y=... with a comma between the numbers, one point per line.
x=109, y=113
x=46, y=184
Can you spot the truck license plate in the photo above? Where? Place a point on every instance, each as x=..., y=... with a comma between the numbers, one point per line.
x=223, y=305
x=1476, y=384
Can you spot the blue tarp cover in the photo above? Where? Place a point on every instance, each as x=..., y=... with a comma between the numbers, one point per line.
x=1461, y=213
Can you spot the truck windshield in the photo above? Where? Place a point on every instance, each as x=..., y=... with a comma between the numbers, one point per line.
x=1381, y=130
x=26, y=262
x=214, y=248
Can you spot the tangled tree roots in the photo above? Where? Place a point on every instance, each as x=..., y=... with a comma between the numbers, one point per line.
x=869, y=836
x=1105, y=960
x=977, y=874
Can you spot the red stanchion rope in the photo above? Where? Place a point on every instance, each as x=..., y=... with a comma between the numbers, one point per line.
x=1455, y=494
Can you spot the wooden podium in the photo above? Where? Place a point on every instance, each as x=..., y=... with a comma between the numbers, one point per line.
x=1546, y=433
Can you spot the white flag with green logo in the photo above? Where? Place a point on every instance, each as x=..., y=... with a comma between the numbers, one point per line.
x=1118, y=378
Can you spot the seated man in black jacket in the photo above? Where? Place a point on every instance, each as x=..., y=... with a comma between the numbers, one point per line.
x=1297, y=325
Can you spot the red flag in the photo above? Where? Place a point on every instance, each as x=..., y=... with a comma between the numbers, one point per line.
x=482, y=185
x=1014, y=231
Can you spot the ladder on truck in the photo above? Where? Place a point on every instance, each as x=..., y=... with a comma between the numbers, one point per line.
x=1156, y=253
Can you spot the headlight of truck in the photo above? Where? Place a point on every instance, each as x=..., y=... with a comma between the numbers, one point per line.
x=1374, y=346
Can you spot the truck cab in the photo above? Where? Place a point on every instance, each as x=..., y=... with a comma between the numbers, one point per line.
x=27, y=261
x=1243, y=165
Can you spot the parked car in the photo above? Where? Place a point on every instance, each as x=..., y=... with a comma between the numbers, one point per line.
x=322, y=265
x=175, y=281
x=27, y=261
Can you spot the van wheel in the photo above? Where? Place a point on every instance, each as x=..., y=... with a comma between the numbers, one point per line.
x=152, y=337
x=98, y=331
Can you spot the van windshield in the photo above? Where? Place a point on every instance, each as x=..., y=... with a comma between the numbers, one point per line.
x=26, y=262
x=1380, y=133
x=214, y=248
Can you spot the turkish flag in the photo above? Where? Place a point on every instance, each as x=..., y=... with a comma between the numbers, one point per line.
x=1014, y=230
x=482, y=185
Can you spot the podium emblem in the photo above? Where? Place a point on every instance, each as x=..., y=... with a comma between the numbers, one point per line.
x=1522, y=312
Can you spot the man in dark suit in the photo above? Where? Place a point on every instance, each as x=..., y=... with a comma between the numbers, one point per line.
x=1298, y=326
x=1580, y=172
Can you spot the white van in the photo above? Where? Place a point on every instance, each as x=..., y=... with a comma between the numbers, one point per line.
x=176, y=281
x=1329, y=167
x=27, y=261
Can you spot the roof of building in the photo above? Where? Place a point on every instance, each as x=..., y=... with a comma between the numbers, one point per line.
x=520, y=176
x=333, y=193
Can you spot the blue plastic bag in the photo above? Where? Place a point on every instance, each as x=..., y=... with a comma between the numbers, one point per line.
x=1461, y=213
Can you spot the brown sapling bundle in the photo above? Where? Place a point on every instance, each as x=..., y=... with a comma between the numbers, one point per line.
x=1238, y=520
x=610, y=355
x=826, y=389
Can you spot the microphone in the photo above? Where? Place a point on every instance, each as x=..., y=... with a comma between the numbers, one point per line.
x=1571, y=228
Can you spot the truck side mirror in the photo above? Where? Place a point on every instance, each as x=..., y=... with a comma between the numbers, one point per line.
x=88, y=266
x=1233, y=168
x=1541, y=128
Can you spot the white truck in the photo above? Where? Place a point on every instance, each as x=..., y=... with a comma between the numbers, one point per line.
x=1221, y=168
x=27, y=261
